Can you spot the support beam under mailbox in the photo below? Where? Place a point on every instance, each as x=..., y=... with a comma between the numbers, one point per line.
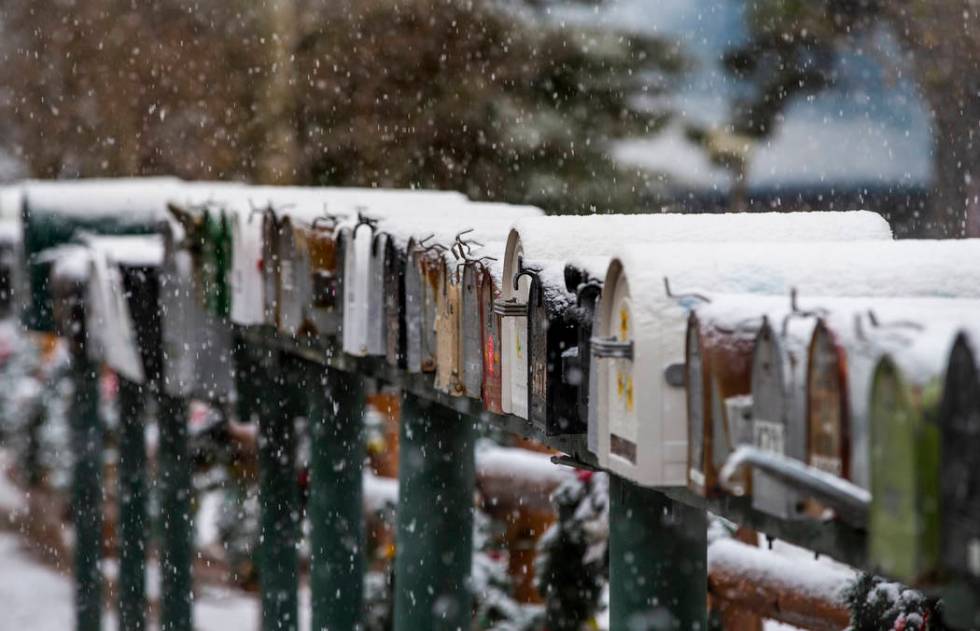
x=436, y=478
x=658, y=569
x=336, y=408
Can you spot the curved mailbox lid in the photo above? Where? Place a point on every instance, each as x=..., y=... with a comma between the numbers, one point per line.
x=960, y=473
x=112, y=334
x=561, y=238
x=813, y=268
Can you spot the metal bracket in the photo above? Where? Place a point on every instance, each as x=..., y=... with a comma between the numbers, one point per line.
x=671, y=294
x=524, y=271
x=611, y=348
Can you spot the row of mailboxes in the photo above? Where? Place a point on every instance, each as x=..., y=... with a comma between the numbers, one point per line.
x=647, y=298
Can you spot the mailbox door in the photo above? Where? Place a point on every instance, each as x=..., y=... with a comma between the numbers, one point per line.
x=770, y=413
x=414, y=306
x=181, y=317
x=376, y=335
x=471, y=322
x=903, y=521
x=270, y=268
x=394, y=306
x=587, y=299
x=623, y=423
x=491, y=345
x=290, y=299
x=698, y=404
x=828, y=448
x=447, y=328
x=432, y=276
x=142, y=287
x=324, y=277
x=247, y=306
x=357, y=274
x=960, y=423
x=538, y=326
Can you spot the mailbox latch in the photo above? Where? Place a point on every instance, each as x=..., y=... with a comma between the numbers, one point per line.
x=611, y=348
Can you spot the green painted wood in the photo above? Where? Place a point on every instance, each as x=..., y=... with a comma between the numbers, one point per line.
x=436, y=478
x=176, y=520
x=278, y=492
x=86, y=491
x=336, y=407
x=132, y=508
x=658, y=569
x=904, y=521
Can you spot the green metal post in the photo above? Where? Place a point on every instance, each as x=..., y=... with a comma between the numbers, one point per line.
x=657, y=561
x=336, y=405
x=87, y=492
x=278, y=493
x=436, y=478
x=132, y=508
x=176, y=521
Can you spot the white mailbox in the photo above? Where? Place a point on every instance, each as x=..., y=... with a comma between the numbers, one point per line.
x=648, y=293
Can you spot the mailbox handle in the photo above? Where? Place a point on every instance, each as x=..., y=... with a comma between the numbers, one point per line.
x=509, y=308
x=611, y=348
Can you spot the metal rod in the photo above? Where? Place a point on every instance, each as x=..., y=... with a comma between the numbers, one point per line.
x=132, y=507
x=278, y=493
x=176, y=520
x=435, y=518
x=87, y=491
x=336, y=404
x=658, y=575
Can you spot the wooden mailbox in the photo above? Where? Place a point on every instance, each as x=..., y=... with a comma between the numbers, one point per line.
x=657, y=287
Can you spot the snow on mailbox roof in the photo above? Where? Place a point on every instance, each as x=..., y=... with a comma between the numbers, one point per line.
x=128, y=250
x=134, y=200
x=565, y=236
x=919, y=331
x=486, y=222
x=855, y=268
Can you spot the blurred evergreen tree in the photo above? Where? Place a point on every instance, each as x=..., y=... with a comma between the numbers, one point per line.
x=793, y=52
x=491, y=97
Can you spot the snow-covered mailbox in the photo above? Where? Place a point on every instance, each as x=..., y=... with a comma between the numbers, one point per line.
x=906, y=451
x=53, y=212
x=423, y=318
x=846, y=344
x=721, y=336
x=960, y=471
x=364, y=242
x=649, y=292
x=538, y=249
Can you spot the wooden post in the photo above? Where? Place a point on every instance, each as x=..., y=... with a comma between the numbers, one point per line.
x=132, y=508
x=336, y=406
x=176, y=521
x=87, y=490
x=657, y=560
x=436, y=477
x=278, y=493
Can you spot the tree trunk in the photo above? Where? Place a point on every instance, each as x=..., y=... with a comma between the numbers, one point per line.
x=277, y=161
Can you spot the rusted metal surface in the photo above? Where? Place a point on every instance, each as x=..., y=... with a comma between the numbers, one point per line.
x=490, y=343
x=433, y=274
x=471, y=333
x=719, y=367
x=325, y=306
x=828, y=423
x=270, y=266
x=447, y=327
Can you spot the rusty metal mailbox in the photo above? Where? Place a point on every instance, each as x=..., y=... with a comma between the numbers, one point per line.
x=960, y=468
x=490, y=339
